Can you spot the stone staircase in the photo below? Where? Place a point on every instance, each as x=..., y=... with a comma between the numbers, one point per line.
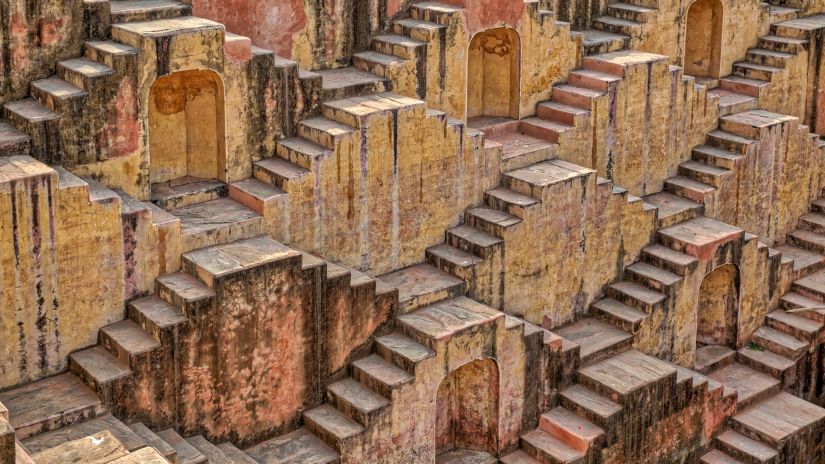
x=615, y=31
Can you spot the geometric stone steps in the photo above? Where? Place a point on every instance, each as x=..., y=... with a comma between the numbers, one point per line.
x=595, y=83
x=782, y=44
x=755, y=71
x=779, y=342
x=57, y=94
x=777, y=419
x=380, y=375
x=545, y=129
x=402, y=351
x=113, y=54
x=579, y=97
x=729, y=141
x=422, y=284
x=804, y=260
x=808, y=240
x=332, y=426
x=492, y=221
x=298, y=447
x=814, y=222
x=356, y=401
x=768, y=57
x=562, y=113
x=350, y=82
x=812, y=286
x=236, y=455
x=277, y=172
x=744, y=85
x=12, y=141
x=377, y=63
x=129, y=11
x=473, y=241
x=549, y=449
x=49, y=404
x=99, y=369
x=155, y=316
x=597, y=42
x=594, y=407
x=186, y=453
x=212, y=453
x=435, y=12
x=632, y=12
x=745, y=448
x=84, y=73
x=184, y=291
x=716, y=157
x=398, y=45
x=617, y=26
x=216, y=222
x=732, y=102
x=537, y=181
x=631, y=379
x=186, y=191
x=689, y=188
x=704, y=173
x=673, y=209
x=712, y=357
x=699, y=237
x=636, y=296
x=440, y=321
x=751, y=386
x=795, y=325
x=715, y=456
x=39, y=123
x=41, y=442
x=669, y=259
x=597, y=340
x=452, y=260
x=301, y=151
x=101, y=447
x=619, y=314
x=322, y=132
x=768, y=362
x=128, y=342
x=154, y=441
x=518, y=457
x=653, y=277
x=570, y=428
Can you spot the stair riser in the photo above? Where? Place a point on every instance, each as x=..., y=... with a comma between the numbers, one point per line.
x=104, y=390
x=571, y=98
x=463, y=272
x=627, y=326
x=608, y=352
x=638, y=16
x=751, y=433
x=431, y=36
x=633, y=302
x=396, y=358
x=164, y=335
x=484, y=252
x=737, y=107
x=372, y=66
x=570, y=437
x=191, y=308
x=605, y=423
x=787, y=376
x=713, y=160
x=793, y=331
x=133, y=360
x=542, y=456
x=729, y=143
x=606, y=47
x=812, y=226
x=93, y=85
x=325, y=435
x=45, y=137
x=767, y=60
x=200, y=196
x=551, y=113
x=740, y=87
x=813, y=294
x=71, y=107
x=783, y=47
x=349, y=410
x=675, y=268
x=356, y=90
x=615, y=28
x=702, y=197
x=494, y=202
x=373, y=383
x=777, y=348
x=118, y=62
x=701, y=176
x=411, y=52
x=484, y=225
x=230, y=233
x=718, y=364
x=541, y=132
x=650, y=282
x=439, y=17
x=785, y=31
x=756, y=74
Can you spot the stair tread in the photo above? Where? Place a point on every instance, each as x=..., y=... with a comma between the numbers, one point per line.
x=747, y=445
x=593, y=335
x=572, y=423
x=704, y=168
x=809, y=237
x=669, y=254
x=632, y=7
x=715, y=456
x=495, y=216
x=398, y=39
x=406, y=347
x=112, y=47
x=41, y=442
x=31, y=110
x=711, y=354
x=747, y=382
x=620, y=310
x=421, y=281
x=186, y=286
x=235, y=454
x=124, y=6
x=773, y=53
x=154, y=441
x=628, y=372
x=552, y=446
x=333, y=422
x=639, y=292
x=445, y=318
x=340, y=78
x=10, y=135
x=211, y=215
x=761, y=67
x=788, y=40
x=512, y=197
x=796, y=300
x=656, y=273
x=617, y=21
x=382, y=370
x=692, y=184
x=306, y=147
x=212, y=453
x=670, y=205
x=779, y=417
x=86, y=67
x=588, y=399
x=378, y=57
x=100, y=364
x=186, y=453
x=590, y=93
x=298, y=447
x=519, y=457
x=563, y=107
x=474, y=236
x=547, y=124
x=159, y=311
x=359, y=396
x=746, y=80
x=419, y=24
x=719, y=152
x=801, y=323
x=59, y=88
x=130, y=337
x=515, y=144
x=453, y=255
x=780, y=338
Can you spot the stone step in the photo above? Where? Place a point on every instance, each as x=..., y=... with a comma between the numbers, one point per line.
x=593, y=80
x=783, y=44
x=301, y=151
x=598, y=340
x=814, y=222
x=639, y=14
x=597, y=42
x=745, y=448
x=509, y=201
x=808, y=240
x=422, y=284
x=377, y=63
x=236, y=455
x=795, y=325
x=212, y=453
x=324, y=131
x=351, y=82
x=185, y=292
x=39, y=123
x=438, y=322
x=332, y=426
x=187, y=191
x=779, y=342
x=575, y=431
x=538, y=180
x=84, y=73
x=473, y=241
x=48, y=440
x=712, y=357
x=777, y=419
x=58, y=95
x=49, y=404
x=492, y=221
x=730, y=141
x=101, y=447
x=579, y=97
x=766, y=57
x=519, y=150
x=544, y=129
x=804, y=261
x=818, y=205
x=12, y=141
x=380, y=375
x=716, y=157
x=155, y=316
x=811, y=286
x=617, y=25
x=799, y=28
x=356, y=401
x=733, y=102
x=402, y=351
x=99, y=370
x=565, y=114
x=690, y=189
x=465, y=456
x=667, y=258
x=637, y=296
x=793, y=300
x=128, y=342
x=704, y=173
x=756, y=71
x=518, y=457
x=130, y=11
x=699, y=237
x=436, y=12
x=780, y=14
x=216, y=222
x=399, y=45
x=278, y=172
x=186, y=453
x=619, y=314
x=113, y=54
x=417, y=29
x=751, y=385
x=673, y=209
x=744, y=85
x=631, y=379
x=549, y=449
x=153, y=440
x=715, y=456
x=297, y=447
x=596, y=408
x=452, y=260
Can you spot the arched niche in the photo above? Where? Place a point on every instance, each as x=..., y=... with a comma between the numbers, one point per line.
x=493, y=74
x=718, y=308
x=703, y=38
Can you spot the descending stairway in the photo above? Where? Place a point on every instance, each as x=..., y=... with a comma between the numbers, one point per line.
x=614, y=31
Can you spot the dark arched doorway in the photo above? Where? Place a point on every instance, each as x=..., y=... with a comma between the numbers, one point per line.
x=703, y=39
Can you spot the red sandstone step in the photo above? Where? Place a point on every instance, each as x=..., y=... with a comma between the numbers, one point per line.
x=549, y=449
x=101, y=447
x=212, y=453
x=519, y=457
x=578, y=433
x=744, y=85
x=380, y=375
x=751, y=386
x=465, y=456
x=49, y=404
x=804, y=261
x=745, y=448
x=756, y=71
x=128, y=11
x=795, y=325
x=151, y=439
x=733, y=102
x=818, y=205
x=718, y=457
x=332, y=426
x=544, y=129
x=579, y=97
x=691, y=189
x=186, y=453
x=356, y=401
x=155, y=316
x=235, y=455
x=666, y=258
x=402, y=351
x=597, y=339
x=778, y=418
x=538, y=180
x=779, y=342
x=712, y=357
x=565, y=114
x=699, y=237
x=594, y=80
x=594, y=407
x=730, y=142
x=704, y=173
x=41, y=442
x=808, y=240
x=474, y=241
x=629, y=378
x=377, y=63
x=716, y=157
x=422, y=284
x=436, y=323
x=185, y=291
x=637, y=296
x=128, y=342
x=297, y=447
x=793, y=300
x=619, y=314
x=99, y=370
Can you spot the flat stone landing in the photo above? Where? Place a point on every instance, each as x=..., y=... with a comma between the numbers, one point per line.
x=462, y=456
